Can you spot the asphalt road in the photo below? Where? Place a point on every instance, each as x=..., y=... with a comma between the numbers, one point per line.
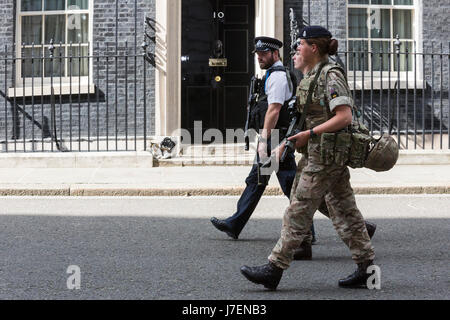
x=166, y=248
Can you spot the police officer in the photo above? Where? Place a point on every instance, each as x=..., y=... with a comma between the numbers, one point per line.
x=326, y=99
x=276, y=89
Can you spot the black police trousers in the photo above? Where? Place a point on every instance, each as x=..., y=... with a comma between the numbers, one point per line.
x=253, y=192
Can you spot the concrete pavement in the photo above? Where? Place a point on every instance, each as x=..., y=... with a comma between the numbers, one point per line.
x=200, y=181
x=199, y=170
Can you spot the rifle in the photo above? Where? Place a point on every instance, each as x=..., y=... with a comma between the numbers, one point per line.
x=296, y=124
x=292, y=131
x=253, y=95
x=293, y=128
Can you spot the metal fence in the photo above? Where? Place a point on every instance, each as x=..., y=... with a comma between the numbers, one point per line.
x=110, y=110
x=70, y=100
x=403, y=93
x=75, y=102
x=400, y=91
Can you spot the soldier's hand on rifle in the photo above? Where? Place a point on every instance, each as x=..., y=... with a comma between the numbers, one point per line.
x=301, y=139
x=278, y=151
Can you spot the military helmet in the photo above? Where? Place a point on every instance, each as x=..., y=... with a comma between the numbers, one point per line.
x=384, y=154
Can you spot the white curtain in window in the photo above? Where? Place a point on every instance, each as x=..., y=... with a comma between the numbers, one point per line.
x=357, y=19
x=54, y=5
x=32, y=30
x=79, y=65
x=32, y=66
x=55, y=27
x=404, y=2
x=80, y=4
x=402, y=21
x=380, y=23
x=78, y=28
x=31, y=5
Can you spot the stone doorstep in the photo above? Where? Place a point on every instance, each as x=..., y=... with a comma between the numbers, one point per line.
x=407, y=157
x=144, y=159
x=186, y=161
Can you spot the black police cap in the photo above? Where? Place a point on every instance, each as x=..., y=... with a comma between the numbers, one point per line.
x=267, y=44
x=315, y=32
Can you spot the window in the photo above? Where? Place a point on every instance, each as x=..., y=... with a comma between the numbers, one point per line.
x=373, y=26
x=66, y=22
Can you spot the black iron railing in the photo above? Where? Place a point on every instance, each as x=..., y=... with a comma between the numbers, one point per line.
x=402, y=93
x=76, y=98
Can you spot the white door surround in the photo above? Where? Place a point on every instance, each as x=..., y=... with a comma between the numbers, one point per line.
x=268, y=22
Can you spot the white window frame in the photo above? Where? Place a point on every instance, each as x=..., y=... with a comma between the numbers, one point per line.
x=355, y=78
x=61, y=85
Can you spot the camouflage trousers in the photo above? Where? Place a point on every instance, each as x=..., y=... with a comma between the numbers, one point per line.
x=315, y=182
x=323, y=205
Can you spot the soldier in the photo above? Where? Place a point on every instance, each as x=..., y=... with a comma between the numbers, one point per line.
x=325, y=98
x=275, y=93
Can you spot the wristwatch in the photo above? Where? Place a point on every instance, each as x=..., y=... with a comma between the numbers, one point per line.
x=312, y=133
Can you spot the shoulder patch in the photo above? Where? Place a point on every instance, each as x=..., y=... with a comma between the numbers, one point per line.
x=333, y=93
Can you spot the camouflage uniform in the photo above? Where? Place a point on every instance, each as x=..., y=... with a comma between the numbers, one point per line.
x=322, y=207
x=315, y=180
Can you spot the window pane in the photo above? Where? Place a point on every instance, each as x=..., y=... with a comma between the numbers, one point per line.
x=358, y=1
x=380, y=23
x=78, y=28
x=31, y=5
x=404, y=2
x=58, y=65
x=32, y=29
x=357, y=19
x=358, y=50
x=79, y=63
x=382, y=2
x=54, y=5
x=380, y=51
x=55, y=26
x=32, y=66
x=403, y=23
x=77, y=4
x=404, y=57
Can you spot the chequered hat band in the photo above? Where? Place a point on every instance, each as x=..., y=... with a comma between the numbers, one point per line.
x=263, y=45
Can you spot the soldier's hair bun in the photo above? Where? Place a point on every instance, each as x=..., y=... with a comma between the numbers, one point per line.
x=333, y=47
x=325, y=45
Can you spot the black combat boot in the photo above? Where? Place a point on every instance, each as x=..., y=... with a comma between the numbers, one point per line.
x=269, y=275
x=304, y=252
x=224, y=227
x=371, y=227
x=359, y=278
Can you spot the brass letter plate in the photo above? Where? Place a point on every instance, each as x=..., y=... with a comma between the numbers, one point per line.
x=223, y=62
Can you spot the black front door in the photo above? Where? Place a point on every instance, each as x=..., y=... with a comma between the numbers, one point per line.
x=217, y=62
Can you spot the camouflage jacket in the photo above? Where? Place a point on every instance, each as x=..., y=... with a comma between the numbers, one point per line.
x=331, y=91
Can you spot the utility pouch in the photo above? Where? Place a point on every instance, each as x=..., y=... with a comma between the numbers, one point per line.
x=327, y=143
x=303, y=150
x=359, y=149
x=342, y=148
x=258, y=114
